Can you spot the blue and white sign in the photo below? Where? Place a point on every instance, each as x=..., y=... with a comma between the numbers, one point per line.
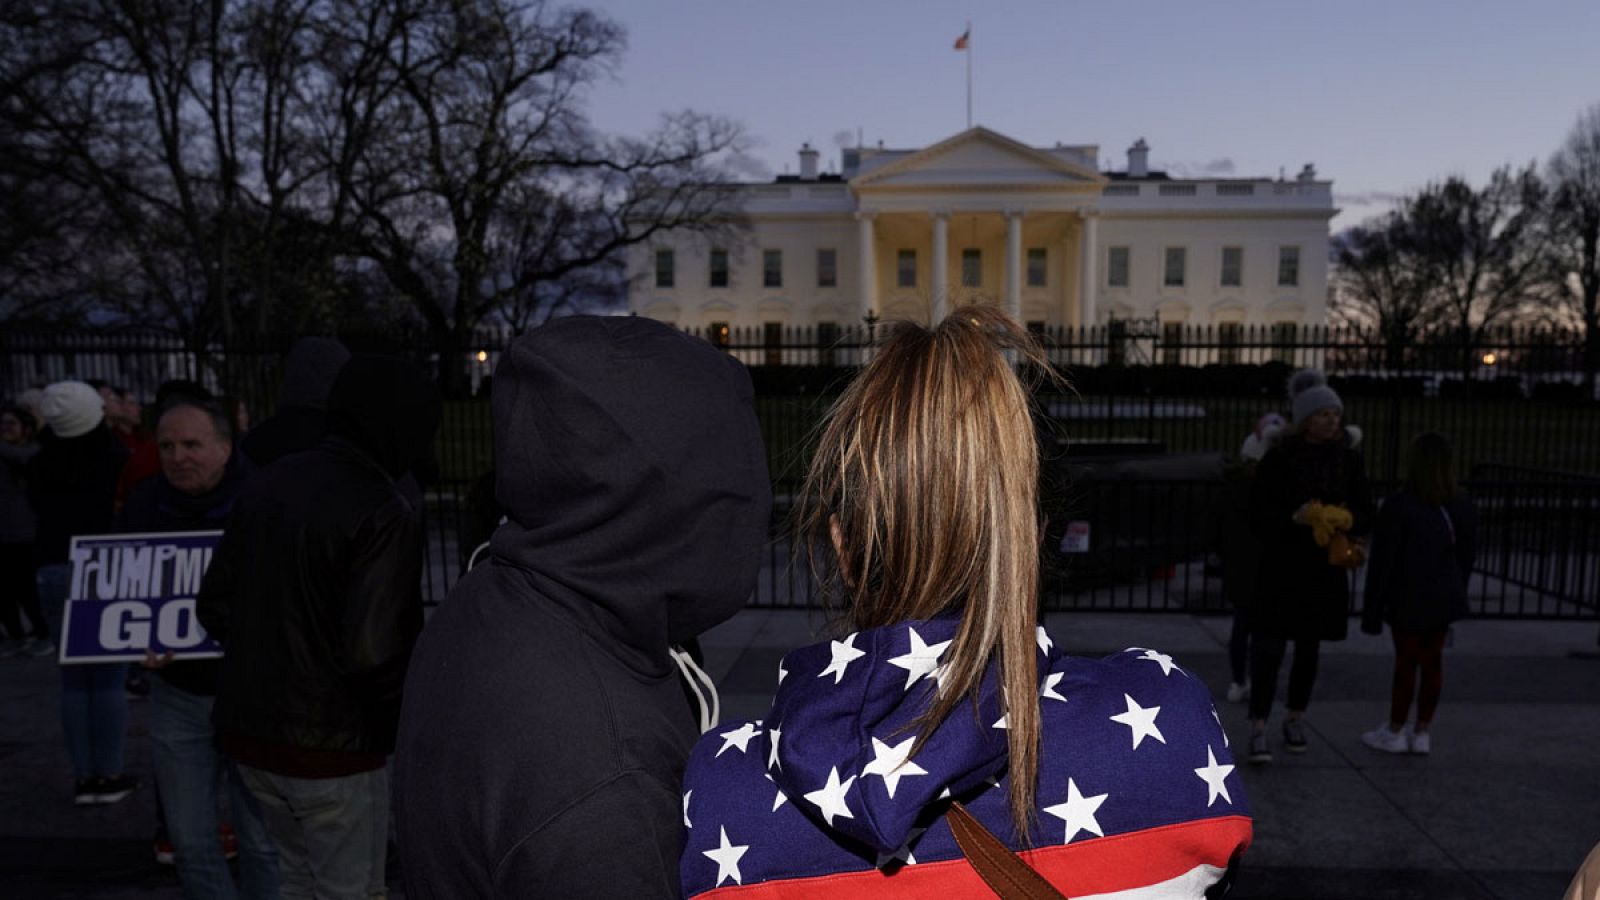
x=133, y=592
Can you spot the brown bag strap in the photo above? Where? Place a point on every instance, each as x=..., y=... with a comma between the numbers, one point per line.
x=1003, y=871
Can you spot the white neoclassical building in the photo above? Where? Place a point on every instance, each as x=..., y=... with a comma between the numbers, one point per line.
x=1040, y=231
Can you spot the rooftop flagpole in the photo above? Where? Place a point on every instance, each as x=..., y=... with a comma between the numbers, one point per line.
x=964, y=43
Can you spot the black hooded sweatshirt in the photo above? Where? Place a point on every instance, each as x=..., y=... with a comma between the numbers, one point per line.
x=544, y=732
x=315, y=588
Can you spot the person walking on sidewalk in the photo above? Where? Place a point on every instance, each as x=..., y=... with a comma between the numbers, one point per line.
x=1310, y=497
x=199, y=478
x=72, y=485
x=315, y=593
x=1423, y=547
x=19, y=593
x=946, y=711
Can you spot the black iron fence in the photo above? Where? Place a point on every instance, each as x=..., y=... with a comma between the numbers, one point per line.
x=1177, y=400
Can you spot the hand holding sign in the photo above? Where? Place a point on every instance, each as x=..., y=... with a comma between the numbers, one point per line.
x=132, y=598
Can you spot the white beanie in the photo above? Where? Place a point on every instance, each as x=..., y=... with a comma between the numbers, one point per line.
x=1310, y=400
x=72, y=408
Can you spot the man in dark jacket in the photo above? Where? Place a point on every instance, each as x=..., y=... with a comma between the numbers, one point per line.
x=199, y=479
x=315, y=594
x=301, y=419
x=544, y=732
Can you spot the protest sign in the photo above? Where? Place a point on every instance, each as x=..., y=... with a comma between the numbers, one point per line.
x=132, y=592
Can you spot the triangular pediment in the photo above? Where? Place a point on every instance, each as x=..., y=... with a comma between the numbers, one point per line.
x=979, y=157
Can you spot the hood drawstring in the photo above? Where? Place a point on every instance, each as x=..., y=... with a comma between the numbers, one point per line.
x=696, y=678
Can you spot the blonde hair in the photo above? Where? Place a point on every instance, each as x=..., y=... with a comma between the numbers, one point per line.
x=923, y=498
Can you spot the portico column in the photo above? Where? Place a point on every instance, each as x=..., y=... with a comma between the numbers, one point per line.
x=867, y=287
x=940, y=307
x=1088, y=263
x=1014, y=264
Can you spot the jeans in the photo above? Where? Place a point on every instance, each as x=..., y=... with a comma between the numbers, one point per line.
x=94, y=708
x=1266, y=658
x=19, y=593
x=190, y=772
x=332, y=833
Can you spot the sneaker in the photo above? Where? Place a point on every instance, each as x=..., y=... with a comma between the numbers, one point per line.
x=1259, y=751
x=166, y=855
x=230, y=841
x=1382, y=738
x=1294, y=736
x=1238, y=693
x=83, y=791
x=1421, y=744
x=114, y=790
x=39, y=647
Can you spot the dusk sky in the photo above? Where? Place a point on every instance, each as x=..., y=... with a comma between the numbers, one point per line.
x=1380, y=96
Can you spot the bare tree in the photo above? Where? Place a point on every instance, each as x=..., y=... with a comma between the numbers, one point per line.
x=1574, y=248
x=1382, y=282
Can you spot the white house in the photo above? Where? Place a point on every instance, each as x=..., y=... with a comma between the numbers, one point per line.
x=1041, y=231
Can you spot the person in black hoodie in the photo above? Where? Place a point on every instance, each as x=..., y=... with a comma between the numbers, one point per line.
x=315, y=593
x=1423, y=548
x=301, y=419
x=199, y=479
x=544, y=732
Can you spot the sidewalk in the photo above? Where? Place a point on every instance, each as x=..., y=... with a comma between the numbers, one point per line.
x=1506, y=807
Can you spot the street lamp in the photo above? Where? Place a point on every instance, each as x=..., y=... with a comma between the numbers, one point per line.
x=1489, y=359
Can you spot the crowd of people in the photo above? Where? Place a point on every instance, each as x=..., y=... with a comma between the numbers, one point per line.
x=536, y=733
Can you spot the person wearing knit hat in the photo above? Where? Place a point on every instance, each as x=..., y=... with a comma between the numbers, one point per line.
x=32, y=400
x=72, y=408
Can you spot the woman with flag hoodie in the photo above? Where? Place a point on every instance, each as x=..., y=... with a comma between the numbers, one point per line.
x=945, y=710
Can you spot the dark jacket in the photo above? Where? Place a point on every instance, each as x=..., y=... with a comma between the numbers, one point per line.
x=1421, y=557
x=72, y=484
x=761, y=785
x=315, y=588
x=17, y=523
x=1300, y=595
x=155, y=505
x=544, y=731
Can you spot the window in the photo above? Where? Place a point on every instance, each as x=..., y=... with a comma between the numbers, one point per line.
x=1232, y=266
x=719, y=268
x=1284, y=335
x=1116, y=342
x=827, y=337
x=720, y=336
x=1036, y=266
x=1172, y=272
x=1172, y=343
x=666, y=269
x=1117, y=267
x=1288, y=267
x=772, y=268
x=772, y=340
x=1228, y=336
x=827, y=268
x=971, y=267
x=905, y=268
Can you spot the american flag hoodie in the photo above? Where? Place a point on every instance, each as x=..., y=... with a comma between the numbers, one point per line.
x=1137, y=793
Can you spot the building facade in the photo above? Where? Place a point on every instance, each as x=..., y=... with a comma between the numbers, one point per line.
x=979, y=217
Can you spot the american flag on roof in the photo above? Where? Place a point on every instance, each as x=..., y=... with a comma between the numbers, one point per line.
x=966, y=38
x=1137, y=789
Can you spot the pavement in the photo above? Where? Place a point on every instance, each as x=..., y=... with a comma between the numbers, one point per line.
x=1505, y=808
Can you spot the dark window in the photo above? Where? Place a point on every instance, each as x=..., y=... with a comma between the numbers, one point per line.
x=1232, y=266
x=1172, y=274
x=971, y=267
x=1116, y=342
x=1284, y=335
x=1288, y=266
x=666, y=269
x=772, y=339
x=905, y=271
x=719, y=334
x=772, y=268
x=719, y=268
x=1036, y=266
x=1172, y=343
x=827, y=268
x=1228, y=337
x=827, y=337
x=1117, y=267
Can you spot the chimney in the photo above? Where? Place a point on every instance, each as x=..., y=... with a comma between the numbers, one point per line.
x=808, y=162
x=1139, y=159
x=1307, y=174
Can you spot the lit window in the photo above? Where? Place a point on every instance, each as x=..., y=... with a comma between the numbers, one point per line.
x=1288, y=266
x=772, y=268
x=720, y=335
x=719, y=268
x=1232, y=266
x=666, y=269
x=1117, y=267
x=1172, y=274
x=906, y=268
x=827, y=268
x=971, y=267
x=1036, y=266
